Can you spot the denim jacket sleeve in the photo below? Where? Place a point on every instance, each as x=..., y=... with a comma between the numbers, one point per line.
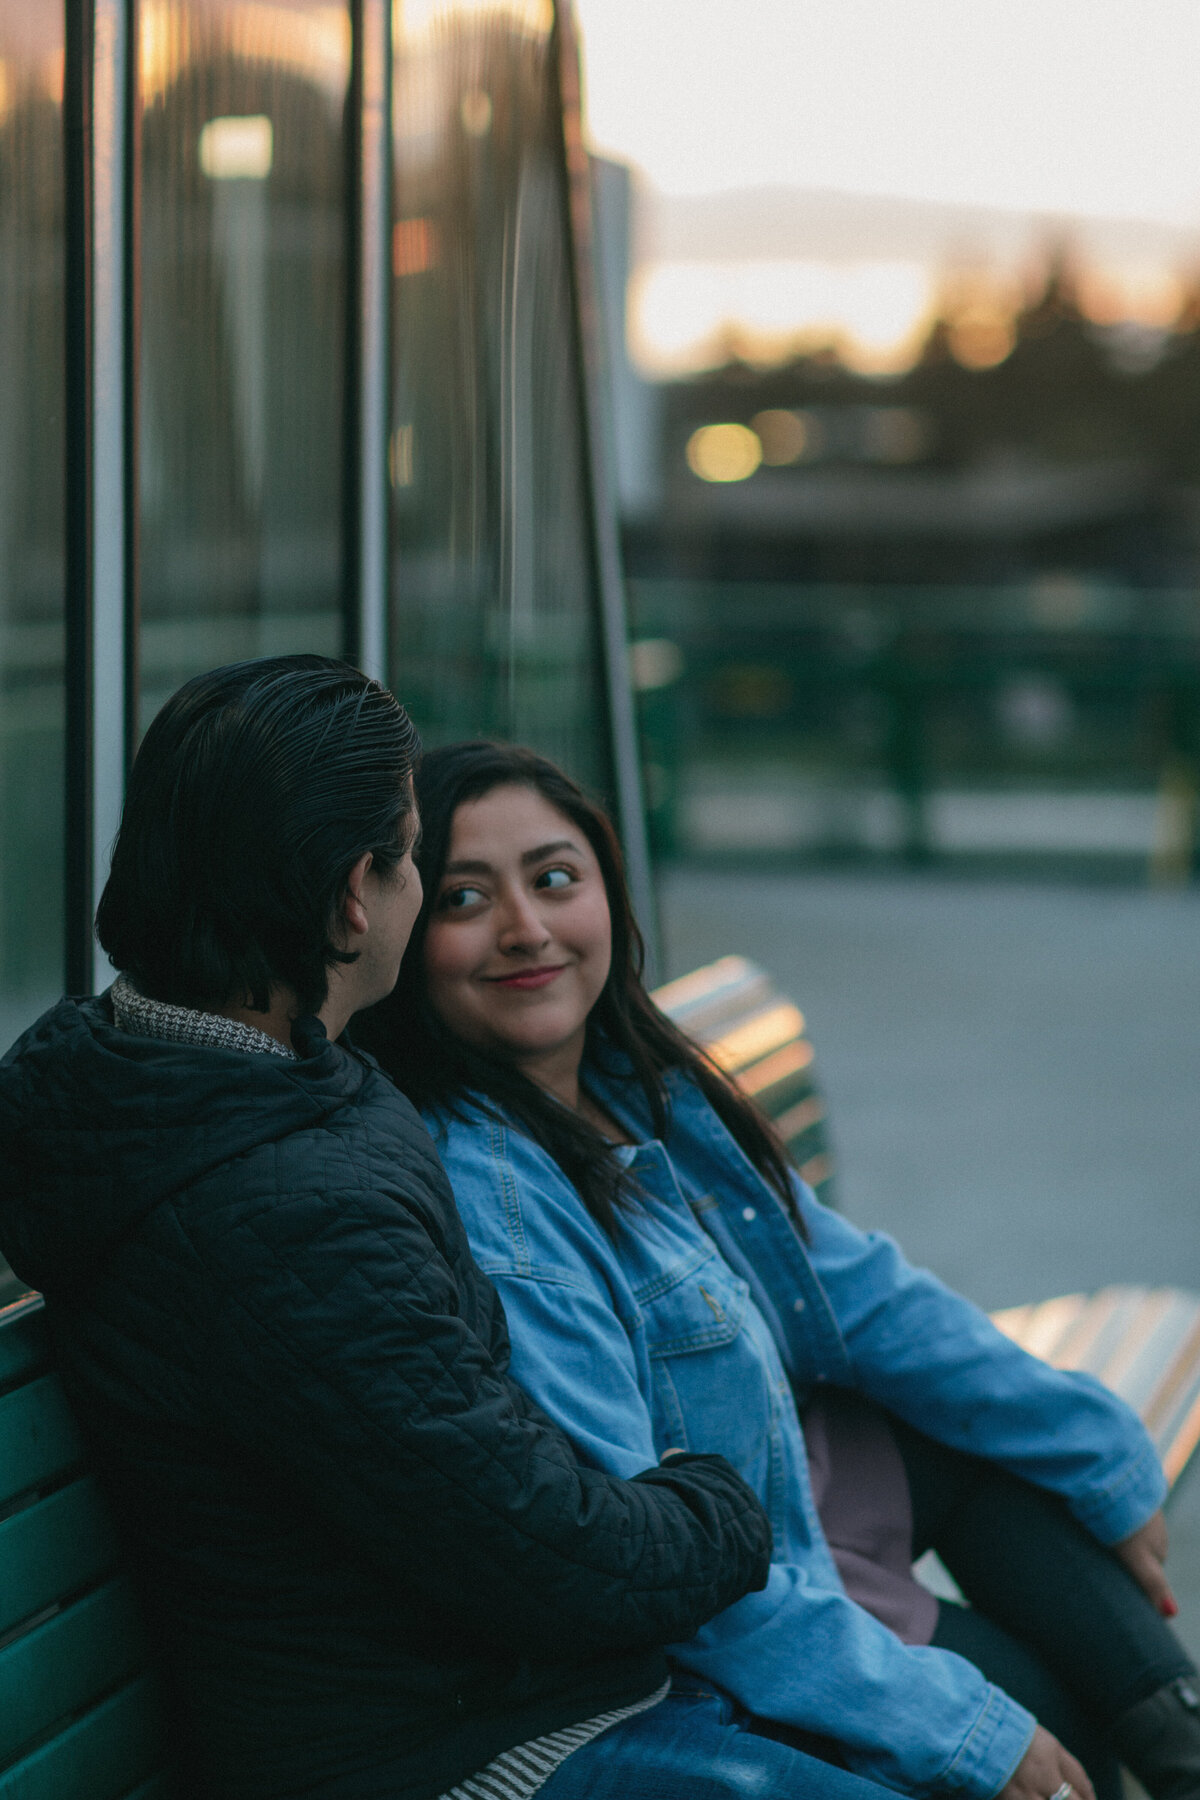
x=920, y=1719
x=934, y=1359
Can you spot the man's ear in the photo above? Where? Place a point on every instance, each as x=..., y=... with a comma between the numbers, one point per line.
x=354, y=913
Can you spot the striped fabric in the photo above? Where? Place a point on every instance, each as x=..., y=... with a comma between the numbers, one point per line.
x=522, y=1771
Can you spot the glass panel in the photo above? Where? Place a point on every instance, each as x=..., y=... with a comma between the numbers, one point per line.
x=493, y=615
x=243, y=276
x=32, y=451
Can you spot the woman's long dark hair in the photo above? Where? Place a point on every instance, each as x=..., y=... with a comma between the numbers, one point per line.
x=436, y=1069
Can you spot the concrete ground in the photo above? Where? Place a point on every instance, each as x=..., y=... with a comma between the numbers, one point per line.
x=1013, y=1074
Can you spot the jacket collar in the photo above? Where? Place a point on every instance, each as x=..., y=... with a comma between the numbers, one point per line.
x=738, y=1209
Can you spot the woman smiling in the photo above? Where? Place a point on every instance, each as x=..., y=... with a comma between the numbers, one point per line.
x=669, y=1282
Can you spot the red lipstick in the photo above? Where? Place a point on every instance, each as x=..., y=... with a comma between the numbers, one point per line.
x=524, y=979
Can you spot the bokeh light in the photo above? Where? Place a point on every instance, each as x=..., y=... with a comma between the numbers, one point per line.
x=724, y=452
x=787, y=435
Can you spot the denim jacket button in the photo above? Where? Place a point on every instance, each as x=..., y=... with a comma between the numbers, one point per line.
x=798, y=1306
x=748, y=1213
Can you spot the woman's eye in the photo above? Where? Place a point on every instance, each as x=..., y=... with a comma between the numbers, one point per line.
x=458, y=898
x=555, y=878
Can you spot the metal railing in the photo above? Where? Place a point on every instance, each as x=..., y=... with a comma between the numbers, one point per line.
x=901, y=720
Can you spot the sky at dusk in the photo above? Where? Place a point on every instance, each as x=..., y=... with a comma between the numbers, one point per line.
x=1068, y=108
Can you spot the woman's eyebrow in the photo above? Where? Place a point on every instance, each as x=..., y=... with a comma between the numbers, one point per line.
x=543, y=850
x=467, y=868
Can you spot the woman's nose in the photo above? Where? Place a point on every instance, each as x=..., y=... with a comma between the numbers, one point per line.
x=521, y=925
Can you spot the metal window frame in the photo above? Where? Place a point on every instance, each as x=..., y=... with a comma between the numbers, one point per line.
x=367, y=509
x=609, y=581
x=101, y=361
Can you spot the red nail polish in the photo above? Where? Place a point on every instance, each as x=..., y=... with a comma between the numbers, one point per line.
x=1169, y=1608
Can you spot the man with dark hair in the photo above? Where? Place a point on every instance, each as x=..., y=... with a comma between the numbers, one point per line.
x=271, y=810
x=374, y=1569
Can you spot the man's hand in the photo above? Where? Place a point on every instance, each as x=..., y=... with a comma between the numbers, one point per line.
x=1144, y=1555
x=1042, y=1771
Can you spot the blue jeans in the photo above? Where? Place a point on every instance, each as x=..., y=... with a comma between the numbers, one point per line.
x=698, y=1746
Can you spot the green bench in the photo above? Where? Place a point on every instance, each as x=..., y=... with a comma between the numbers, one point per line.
x=78, y=1719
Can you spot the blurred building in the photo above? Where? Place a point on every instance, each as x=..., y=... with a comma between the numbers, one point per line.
x=634, y=403
x=298, y=340
x=951, y=609
x=1007, y=449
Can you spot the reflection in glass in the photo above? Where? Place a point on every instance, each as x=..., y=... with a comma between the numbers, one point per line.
x=493, y=624
x=32, y=450
x=242, y=359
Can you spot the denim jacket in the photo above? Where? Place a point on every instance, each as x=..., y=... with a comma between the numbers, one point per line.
x=704, y=1327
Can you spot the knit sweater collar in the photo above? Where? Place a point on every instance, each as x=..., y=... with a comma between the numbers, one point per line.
x=133, y=1012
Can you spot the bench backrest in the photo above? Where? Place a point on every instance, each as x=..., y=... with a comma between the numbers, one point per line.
x=78, y=1719
x=751, y=1031
x=1142, y=1342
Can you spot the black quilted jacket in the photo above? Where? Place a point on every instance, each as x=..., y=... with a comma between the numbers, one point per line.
x=372, y=1563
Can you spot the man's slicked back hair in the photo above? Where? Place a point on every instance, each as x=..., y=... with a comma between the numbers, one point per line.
x=256, y=790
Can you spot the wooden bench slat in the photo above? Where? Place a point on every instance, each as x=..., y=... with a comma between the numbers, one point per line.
x=783, y=1097
x=99, y=1757
x=1157, y=1331
x=1173, y=1396
x=807, y=1152
x=55, y=1671
x=733, y=1011
x=38, y=1438
x=800, y=1118
x=1113, y=1328
x=1184, y=1439
x=1040, y=1326
x=676, y=996
x=23, y=1346
x=701, y=1002
x=772, y=1071
x=1096, y=1327
x=1128, y=1337
x=11, y=1286
x=816, y=1171
x=53, y=1549
x=1143, y=1343
x=764, y=1031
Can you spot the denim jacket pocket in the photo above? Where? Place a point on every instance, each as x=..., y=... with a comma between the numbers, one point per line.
x=715, y=1377
x=697, y=1305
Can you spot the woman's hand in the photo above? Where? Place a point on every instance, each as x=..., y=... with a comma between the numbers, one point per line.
x=1144, y=1555
x=1043, y=1770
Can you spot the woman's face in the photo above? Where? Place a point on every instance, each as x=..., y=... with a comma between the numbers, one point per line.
x=519, y=940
